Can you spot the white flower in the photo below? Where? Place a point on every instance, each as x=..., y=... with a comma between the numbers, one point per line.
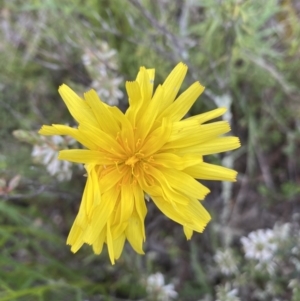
x=46, y=153
x=156, y=288
x=296, y=263
x=294, y=284
x=267, y=266
x=260, y=245
x=227, y=293
x=101, y=64
x=226, y=262
x=282, y=232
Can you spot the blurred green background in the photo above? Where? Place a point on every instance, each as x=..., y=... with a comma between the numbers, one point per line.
x=246, y=53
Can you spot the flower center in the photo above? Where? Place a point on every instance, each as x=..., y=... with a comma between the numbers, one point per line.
x=132, y=160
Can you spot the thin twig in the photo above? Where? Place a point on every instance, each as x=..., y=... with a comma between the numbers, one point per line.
x=177, y=43
x=13, y=197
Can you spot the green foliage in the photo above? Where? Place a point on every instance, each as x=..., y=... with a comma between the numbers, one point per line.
x=245, y=52
x=28, y=267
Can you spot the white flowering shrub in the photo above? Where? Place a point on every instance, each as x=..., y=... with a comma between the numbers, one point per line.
x=227, y=293
x=157, y=290
x=101, y=63
x=45, y=151
x=260, y=245
x=226, y=261
x=269, y=268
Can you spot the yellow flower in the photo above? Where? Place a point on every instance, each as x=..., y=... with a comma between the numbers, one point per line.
x=148, y=150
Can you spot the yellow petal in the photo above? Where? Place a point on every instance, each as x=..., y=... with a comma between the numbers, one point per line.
x=135, y=99
x=77, y=107
x=206, y=171
x=49, y=130
x=100, y=216
x=75, y=237
x=188, y=232
x=127, y=138
x=134, y=233
x=146, y=84
x=167, y=190
x=110, y=178
x=186, y=137
x=197, y=214
x=193, y=215
x=184, y=184
x=58, y=129
x=103, y=140
x=173, y=83
x=170, y=160
x=110, y=244
x=127, y=202
x=157, y=139
x=186, y=127
x=84, y=156
x=151, y=75
x=92, y=174
x=169, y=210
x=98, y=244
x=218, y=145
x=134, y=93
x=146, y=121
x=183, y=103
x=118, y=245
x=140, y=205
x=102, y=113
x=150, y=188
x=91, y=191
x=139, y=93
x=118, y=229
x=117, y=226
x=201, y=118
x=143, y=81
x=91, y=196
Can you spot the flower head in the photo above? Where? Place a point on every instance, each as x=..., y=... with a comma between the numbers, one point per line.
x=227, y=293
x=260, y=245
x=147, y=150
x=46, y=151
x=282, y=232
x=157, y=289
x=226, y=261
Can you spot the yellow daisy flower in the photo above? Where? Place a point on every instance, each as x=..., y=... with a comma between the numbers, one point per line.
x=148, y=150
